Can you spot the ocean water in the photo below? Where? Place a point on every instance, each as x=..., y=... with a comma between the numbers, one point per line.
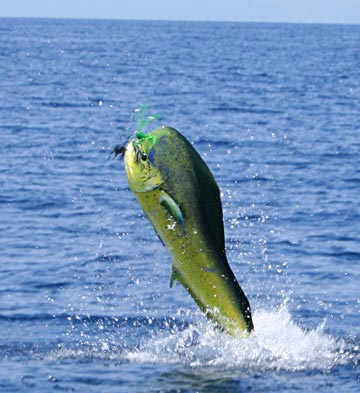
x=85, y=303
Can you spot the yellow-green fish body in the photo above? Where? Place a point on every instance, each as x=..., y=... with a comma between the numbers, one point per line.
x=180, y=197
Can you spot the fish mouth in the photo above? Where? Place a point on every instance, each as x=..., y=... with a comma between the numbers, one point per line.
x=119, y=150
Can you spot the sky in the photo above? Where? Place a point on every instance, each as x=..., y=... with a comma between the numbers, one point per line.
x=293, y=11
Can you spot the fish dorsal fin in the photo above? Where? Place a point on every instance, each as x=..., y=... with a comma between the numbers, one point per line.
x=172, y=207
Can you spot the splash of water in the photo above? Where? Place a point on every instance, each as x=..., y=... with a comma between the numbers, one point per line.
x=277, y=344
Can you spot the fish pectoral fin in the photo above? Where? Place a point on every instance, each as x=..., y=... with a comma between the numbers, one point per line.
x=172, y=207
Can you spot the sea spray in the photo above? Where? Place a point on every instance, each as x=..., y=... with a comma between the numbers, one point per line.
x=277, y=343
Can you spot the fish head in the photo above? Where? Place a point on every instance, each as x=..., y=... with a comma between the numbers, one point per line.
x=142, y=174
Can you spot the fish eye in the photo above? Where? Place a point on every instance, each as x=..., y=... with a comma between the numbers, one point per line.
x=144, y=156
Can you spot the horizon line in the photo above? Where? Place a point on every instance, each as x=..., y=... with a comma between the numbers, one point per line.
x=74, y=18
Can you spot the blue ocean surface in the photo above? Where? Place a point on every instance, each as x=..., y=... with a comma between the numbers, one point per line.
x=274, y=110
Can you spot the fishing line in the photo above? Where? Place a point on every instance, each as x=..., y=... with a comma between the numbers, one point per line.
x=243, y=10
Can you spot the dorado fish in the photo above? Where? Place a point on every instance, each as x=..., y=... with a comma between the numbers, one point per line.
x=181, y=198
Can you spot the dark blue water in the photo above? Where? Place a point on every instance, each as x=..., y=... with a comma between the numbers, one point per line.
x=85, y=303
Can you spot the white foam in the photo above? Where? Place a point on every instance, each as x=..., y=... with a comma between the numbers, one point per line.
x=277, y=343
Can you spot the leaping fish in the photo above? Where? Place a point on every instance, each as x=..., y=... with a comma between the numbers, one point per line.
x=181, y=198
